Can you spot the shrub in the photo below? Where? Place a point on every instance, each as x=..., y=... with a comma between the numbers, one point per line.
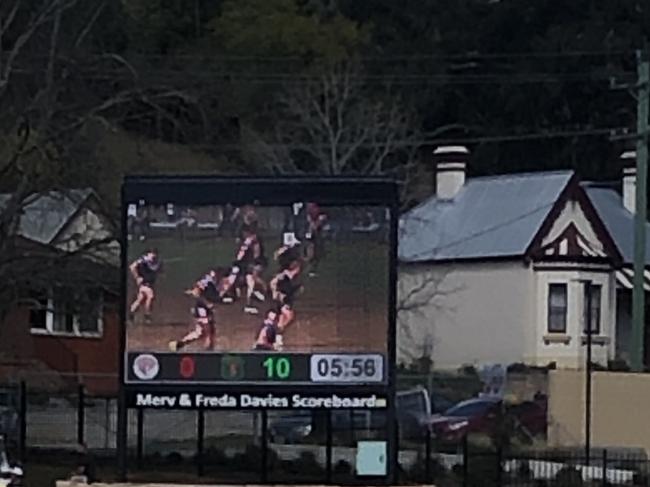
x=174, y=458
x=342, y=468
x=568, y=477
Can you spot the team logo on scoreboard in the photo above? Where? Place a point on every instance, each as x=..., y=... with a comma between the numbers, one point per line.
x=146, y=367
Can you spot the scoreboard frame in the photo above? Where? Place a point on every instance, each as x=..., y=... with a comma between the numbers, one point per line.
x=276, y=191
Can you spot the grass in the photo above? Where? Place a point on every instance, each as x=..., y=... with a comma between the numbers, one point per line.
x=359, y=266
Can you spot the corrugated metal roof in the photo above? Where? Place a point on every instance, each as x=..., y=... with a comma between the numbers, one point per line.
x=617, y=219
x=489, y=217
x=43, y=218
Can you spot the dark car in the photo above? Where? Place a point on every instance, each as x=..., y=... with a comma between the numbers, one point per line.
x=297, y=425
x=470, y=416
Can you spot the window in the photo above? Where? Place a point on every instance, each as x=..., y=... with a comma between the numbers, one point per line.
x=64, y=312
x=557, y=308
x=596, y=292
x=37, y=310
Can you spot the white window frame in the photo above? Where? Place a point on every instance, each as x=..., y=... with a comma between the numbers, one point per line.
x=76, y=332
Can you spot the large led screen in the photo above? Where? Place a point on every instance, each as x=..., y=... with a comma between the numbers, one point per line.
x=255, y=289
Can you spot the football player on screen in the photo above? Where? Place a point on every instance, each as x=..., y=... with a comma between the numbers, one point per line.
x=267, y=332
x=246, y=272
x=203, y=324
x=145, y=270
x=314, y=248
x=284, y=288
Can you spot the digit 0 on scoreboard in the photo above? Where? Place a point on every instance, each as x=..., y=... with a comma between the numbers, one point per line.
x=347, y=368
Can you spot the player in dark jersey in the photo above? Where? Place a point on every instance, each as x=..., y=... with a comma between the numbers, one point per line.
x=145, y=271
x=314, y=236
x=284, y=288
x=254, y=262
x=203, y=324
x=210, y=286
x=247, y=269
x=266, y=336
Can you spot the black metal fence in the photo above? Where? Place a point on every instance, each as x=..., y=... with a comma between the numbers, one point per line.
x=472, y=466
x=245, y=447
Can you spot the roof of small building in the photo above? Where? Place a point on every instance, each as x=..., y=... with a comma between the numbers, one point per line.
x=617, y=219
x=495, y=216
x=45, y=215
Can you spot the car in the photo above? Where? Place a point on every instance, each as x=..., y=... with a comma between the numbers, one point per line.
x=470, y=416
x=414, y=408
x=296, y=426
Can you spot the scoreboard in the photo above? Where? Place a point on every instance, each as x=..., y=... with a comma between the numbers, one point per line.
x=301, y=275
x=256, y=368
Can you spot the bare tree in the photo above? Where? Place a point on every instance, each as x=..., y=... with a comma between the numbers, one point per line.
x=53, y=85
x=333, y=124
x=423, y=296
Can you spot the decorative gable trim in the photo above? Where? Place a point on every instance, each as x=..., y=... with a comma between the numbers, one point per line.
x=571, y=241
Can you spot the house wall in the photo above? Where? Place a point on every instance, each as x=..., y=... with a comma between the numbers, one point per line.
x=469, y=313
x=95, y=359
x=612, y=423
x=569, y=349
x=476, y=313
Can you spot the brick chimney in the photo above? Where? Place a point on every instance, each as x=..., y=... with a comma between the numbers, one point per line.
x=451, y=162
x=628, y=163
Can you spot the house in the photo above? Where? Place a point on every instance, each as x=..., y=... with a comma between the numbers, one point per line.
x=62, y=326
x=499, y=269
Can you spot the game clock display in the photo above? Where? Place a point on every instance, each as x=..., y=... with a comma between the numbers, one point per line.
x=265, y=368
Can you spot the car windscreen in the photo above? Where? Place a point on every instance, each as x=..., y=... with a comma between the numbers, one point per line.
x=414, y=401
x=469, y=409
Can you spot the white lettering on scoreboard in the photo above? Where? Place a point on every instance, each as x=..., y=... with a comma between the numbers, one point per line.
x=268, y=401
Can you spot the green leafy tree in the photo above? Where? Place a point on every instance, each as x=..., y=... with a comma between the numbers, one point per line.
x=279, y=28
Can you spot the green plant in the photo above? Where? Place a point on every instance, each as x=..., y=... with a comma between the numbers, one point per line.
x=342, y=468
x=568, y=477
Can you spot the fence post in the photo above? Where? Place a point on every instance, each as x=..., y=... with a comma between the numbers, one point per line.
x=22, y=433
x=265, y=446
x=200, y=440
x=499, y=460
x=328, y=448
x=81, y=413
x=139, y=448
x=427, y=455
x=465, y=462
x=396, y=466
x=604, y=467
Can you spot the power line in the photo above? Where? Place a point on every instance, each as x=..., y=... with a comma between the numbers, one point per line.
x=541, y=135
x=392, y=79
x=472, y=55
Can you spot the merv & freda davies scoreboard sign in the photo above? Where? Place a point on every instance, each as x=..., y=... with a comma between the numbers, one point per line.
x=200, y=400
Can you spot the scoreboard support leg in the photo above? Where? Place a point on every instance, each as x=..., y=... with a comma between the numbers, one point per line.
x=328, y=448
x=200, y=440
x=122, y=432
x=139, y=439
x=264, y=447
x=392, y=444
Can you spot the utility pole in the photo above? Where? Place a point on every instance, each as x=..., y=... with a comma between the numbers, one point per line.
x=638, y=292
